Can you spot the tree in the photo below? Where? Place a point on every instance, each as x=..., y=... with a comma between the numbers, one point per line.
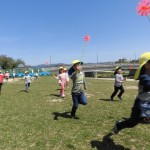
x=9, y=62
x=123, y=60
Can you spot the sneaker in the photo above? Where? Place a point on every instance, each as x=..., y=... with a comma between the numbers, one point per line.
x=119, y=97
x=111, y=98
x=115, y=128
x=63, y=96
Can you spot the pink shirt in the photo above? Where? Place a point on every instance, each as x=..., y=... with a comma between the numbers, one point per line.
x=2, y=76
x=62, y=78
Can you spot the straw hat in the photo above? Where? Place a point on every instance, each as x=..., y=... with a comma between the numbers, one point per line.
x=142, y=61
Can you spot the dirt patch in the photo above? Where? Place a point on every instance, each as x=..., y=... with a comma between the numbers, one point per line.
x=131, y=87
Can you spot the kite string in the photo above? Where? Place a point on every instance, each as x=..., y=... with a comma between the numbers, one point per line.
x=83, y=51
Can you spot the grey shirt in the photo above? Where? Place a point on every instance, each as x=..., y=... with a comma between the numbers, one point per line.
x=78, y=80
x=118, y=80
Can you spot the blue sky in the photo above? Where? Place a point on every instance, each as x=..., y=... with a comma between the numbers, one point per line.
x=34, y=30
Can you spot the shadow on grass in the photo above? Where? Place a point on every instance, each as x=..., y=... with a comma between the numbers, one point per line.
x=107, y=144
x=63, y=115
x=107, y=99
x=56, y=95
x=22, y=91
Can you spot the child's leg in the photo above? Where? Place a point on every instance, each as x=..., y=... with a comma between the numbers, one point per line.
x=27, y=86
x=115, y=92
x=121, y=91
x=134, y=118
x=75, y=104
x=83, y=99
x=62, y=89
x=1, y=87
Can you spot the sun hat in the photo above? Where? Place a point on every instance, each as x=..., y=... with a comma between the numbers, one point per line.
x=26, y=72
x=65, y=69
x=76, y=62
x=116, y=69
x=144, y=58
x=61, y=68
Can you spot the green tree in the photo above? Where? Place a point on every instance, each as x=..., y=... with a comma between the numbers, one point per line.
x=10, y=63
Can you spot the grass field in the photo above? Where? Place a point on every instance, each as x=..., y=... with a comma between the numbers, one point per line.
x=40, y=119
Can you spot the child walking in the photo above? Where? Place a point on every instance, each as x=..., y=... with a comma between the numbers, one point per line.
x=61, y=81
x=143, y=75
x=67, y=78
x=27, y=79
x=119, y=80
x=2, y=76
x=78, y=79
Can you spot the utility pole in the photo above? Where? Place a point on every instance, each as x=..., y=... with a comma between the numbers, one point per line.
x=97, y=58
x=50, y=60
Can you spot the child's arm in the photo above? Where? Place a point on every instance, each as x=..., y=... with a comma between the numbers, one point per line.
x=55, y=77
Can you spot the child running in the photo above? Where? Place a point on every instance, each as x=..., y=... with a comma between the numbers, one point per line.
x=27, y=79
x=119, y=80
x=143, y=75
x=78, y=80
x=61, y=81
x=2, y=76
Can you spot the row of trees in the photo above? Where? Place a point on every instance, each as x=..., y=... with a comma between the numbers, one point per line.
x=10, y=63
x=124, y=60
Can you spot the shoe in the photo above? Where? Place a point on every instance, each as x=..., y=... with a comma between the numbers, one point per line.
x=74, y=117
x=119, y=97
x=115, y=128
x=63, y=96
x=111, y=98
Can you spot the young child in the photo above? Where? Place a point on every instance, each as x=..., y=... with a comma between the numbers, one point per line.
x=119, y=80
x=2, y=76
x=67, y=78
x=143, y=75
x=27, y=79
x=78, y=80
x=36, y=75
x=7, y=75
x=61, y=81
x=13, y=75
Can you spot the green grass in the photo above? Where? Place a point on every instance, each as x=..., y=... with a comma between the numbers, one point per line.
x=35, y=121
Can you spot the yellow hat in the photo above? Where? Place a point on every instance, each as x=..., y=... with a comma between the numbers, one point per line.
x=142, y=61
x=65, y=69
x=76, y=62
x=61, y=68
x=26, y=72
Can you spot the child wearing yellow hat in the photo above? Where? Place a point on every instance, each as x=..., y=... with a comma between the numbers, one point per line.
x=61, y=81
x=67, y=78
x=78, y=80
x=139, y=111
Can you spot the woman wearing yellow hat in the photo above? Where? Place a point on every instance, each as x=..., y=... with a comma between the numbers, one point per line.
x=140, y=109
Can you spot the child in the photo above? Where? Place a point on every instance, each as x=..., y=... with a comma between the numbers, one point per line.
x=78, y=80
x=143, y=75
x=67, y=78
x=7, y=75
x=36, y=75
x=27, y=79
x=61, y=81
x=2, y=76
x=13, y=75
x=119, y=79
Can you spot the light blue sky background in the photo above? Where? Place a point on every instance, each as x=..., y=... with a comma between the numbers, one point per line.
x=34, y=30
